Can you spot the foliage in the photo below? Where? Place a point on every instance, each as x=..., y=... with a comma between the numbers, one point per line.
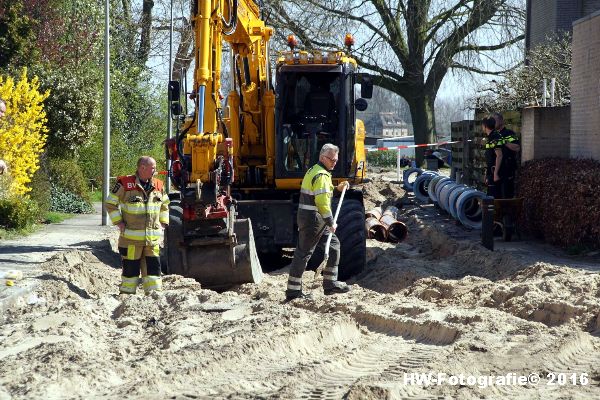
x=23, y=129
x=563, y=211
x=67, y=175
x=18, y=212
x=40, y=187
x=410, y=46
x=54, y=217
x=68, y=202
x=73, y=108
x=138, y=128
x=17, y=36
x=522, y=86
x=384, y=158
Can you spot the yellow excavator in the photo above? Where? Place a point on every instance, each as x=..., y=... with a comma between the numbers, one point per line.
x=238, y=167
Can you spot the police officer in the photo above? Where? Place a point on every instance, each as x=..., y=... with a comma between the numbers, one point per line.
x=493, y=157
x=510, y=151
x=315, y=218
x=140, y=208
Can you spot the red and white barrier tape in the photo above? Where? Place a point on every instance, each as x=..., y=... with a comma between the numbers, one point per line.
x=412, y=146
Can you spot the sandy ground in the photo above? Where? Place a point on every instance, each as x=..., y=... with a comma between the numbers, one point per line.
x=436, y=303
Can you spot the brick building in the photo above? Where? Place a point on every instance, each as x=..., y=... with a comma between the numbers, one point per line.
x=585, y=88
x=546, y=17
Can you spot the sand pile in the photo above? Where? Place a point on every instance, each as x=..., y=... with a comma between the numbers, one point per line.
x=431, y=304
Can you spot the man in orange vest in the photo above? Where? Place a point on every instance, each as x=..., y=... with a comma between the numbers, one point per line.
x=139, y=206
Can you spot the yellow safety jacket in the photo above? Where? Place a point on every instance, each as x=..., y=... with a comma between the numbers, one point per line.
x=142, y=211
x=316, y=192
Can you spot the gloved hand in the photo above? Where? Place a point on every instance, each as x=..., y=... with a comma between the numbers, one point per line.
x=343, y=184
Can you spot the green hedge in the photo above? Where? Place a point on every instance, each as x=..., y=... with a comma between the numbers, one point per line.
x=68, y=202
x=561, y=201
x=384, y=158
x=18, y=212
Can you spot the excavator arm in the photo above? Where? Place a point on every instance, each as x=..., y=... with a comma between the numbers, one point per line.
x=251, y=102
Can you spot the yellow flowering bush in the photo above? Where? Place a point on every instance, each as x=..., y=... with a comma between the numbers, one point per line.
x=23, y=129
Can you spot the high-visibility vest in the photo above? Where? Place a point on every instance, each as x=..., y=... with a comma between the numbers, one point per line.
x=316, y=192
x=142, y=211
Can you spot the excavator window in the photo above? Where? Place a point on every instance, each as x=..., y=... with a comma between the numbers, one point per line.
x=310, y=117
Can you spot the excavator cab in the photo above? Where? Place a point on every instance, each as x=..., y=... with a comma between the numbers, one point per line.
x=313, y=107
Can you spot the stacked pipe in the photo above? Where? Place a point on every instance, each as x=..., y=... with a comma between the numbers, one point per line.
x=460, y=201
x=385, y=226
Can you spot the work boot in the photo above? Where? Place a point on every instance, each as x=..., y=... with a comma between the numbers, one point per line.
x=296, y=294
x=335, y=287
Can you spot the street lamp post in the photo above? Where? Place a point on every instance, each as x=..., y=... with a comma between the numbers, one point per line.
x=169, y=116
x=106, y=142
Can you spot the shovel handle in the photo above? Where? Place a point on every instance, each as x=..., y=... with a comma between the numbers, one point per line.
x=335, y=217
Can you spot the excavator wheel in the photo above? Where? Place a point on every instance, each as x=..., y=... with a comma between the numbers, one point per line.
x=172, y=262
x=353, y=240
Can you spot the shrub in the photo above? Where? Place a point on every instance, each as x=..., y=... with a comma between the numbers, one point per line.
x=23, y=129
x=384, y=158
x=40, y=189
x=18, y=212
x=67, y=175
x=68, y=202
x=561, y=202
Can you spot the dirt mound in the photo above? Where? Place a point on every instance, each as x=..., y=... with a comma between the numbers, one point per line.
x=431, y=303
x=380, y=193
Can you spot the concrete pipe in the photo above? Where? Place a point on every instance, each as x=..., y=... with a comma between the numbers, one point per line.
x=453, y=196
x=396, y=230
x=432, y=185
x=391, y=210
x=468, y=208
x=421, y=184
x=445, y=196
x=438, y=189
x=376, y=230
x=409, y=176
x=375, y=213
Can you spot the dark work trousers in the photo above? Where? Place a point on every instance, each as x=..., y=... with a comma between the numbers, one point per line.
x=494, y=188
x=507, y=187
x=311, y=234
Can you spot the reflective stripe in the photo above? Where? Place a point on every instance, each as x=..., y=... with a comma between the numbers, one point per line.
x=141, y=234
x=321, y=191
x=164, y=217
x=294, y=279
x=112, y=199
x=131, y=252
x=291, y=286
x=307, y=207
x=135, y=208
x=307, y=191
x=151, y=283
x=128, y=284
x=115, y=216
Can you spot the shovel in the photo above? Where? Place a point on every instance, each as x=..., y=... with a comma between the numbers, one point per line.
x=337, y=212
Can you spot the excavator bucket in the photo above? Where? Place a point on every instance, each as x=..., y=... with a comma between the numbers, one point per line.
x=221, y=263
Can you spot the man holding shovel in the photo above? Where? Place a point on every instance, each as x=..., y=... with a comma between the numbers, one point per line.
x=314, y=218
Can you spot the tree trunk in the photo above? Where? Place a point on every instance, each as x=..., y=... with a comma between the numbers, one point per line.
x=146, y=24
x=421, y=112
